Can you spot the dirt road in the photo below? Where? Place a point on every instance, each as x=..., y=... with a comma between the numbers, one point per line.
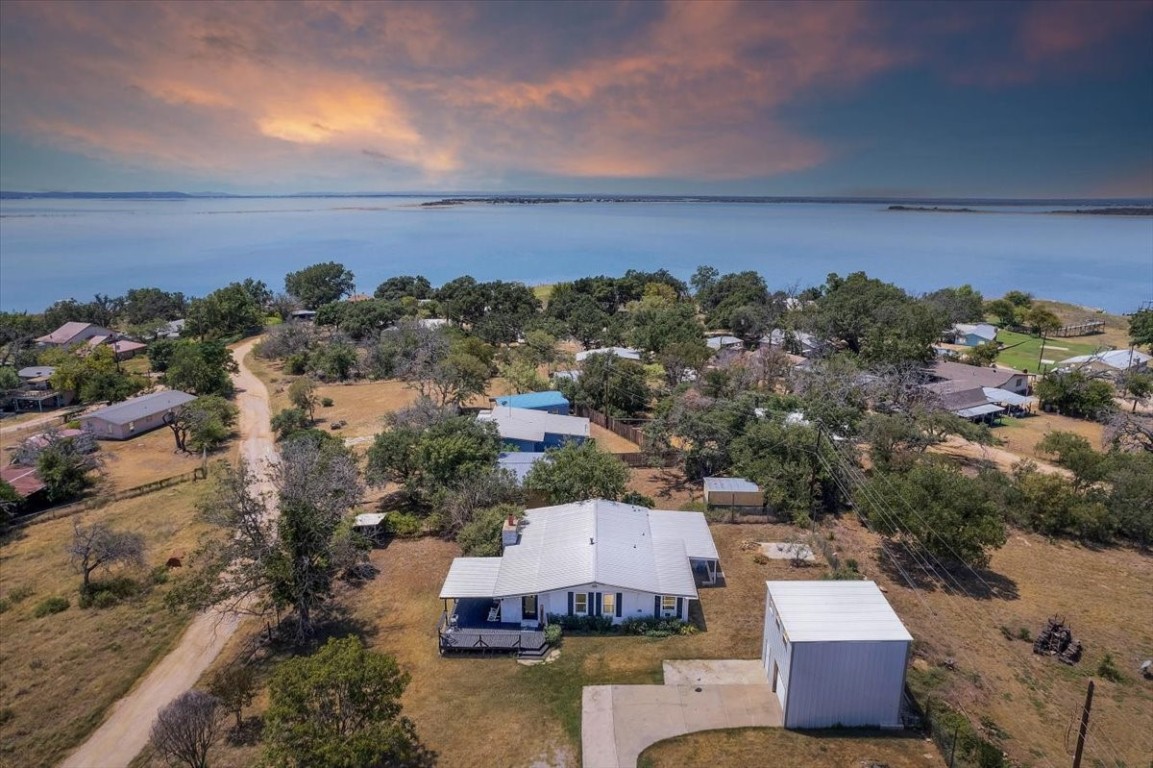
x=125, y=731
x=1005, y=460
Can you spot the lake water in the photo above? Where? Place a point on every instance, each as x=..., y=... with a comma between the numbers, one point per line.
x=54, y=249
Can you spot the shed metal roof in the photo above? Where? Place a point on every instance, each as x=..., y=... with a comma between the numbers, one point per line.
x=141, y=407
x=592, y=542
x=835, y=611
x=546, y=399
x=36, y=371
x=730, y=485
x=368, y=519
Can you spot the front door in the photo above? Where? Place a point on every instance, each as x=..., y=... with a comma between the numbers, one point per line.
x=528, y=607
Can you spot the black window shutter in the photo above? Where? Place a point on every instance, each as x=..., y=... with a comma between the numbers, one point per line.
x=590, y=606
x=656, y=605
x=680, y=602
x=570, y=603
x=599, y=611
x=620, y=604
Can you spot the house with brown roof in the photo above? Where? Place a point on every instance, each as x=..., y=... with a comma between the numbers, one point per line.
x=73, y=333
x=947, y=376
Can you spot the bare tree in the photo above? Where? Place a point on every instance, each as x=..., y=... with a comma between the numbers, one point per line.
x=1129, y=432
x=275, y=562
x=187, y=728
x=99, y=546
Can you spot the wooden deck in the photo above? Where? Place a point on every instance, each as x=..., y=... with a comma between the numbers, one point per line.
x=499, y=638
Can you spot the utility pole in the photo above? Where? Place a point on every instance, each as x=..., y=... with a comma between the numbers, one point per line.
x=1041, y=354
x=1084, y=726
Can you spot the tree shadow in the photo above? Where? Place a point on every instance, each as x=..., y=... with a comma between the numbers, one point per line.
x=249, y=733
x=899, y=564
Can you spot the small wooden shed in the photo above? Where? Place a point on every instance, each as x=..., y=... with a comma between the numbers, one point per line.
x=733, y=493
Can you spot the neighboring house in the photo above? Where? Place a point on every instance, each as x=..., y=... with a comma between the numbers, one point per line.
x=565, y=375
x=717, y=343
x=806, y=343
x=172, y=330
x=36, y=391
x=519, y=463
x=125, y=349
x=135, y=416
x=24, y=480
x=522, y=429
x=548, y=402
x=592, y=558
x=972, y=335
x=433, y=322
x=624, y=353
x=733, y=493
x=972, y=404
x=946, y=376
x=1111, y=362
x=302, y=315
x=36, y=376
x=835, y=653
x=73, y=333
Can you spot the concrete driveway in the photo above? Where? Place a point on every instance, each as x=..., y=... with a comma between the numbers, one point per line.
x=619, y=721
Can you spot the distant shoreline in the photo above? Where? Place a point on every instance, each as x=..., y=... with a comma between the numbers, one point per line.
x=1105, y=211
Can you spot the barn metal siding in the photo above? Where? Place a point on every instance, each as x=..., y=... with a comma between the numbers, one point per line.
x=775, y=650
x=845, y=683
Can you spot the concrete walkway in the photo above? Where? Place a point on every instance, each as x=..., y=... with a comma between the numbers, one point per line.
x=620, y=721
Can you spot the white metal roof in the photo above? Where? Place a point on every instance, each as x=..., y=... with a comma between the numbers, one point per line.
x=592, y=542
x=623, y=353
x=527, y=424
x=983, y=330
x=141, y=407
x=1121, y=359
x=519, y=463
x=835, y=611
x=997, y=395
x=978, y=410
x=369, y=519
x=471, y=577
x=691, y=529
x=729, y=485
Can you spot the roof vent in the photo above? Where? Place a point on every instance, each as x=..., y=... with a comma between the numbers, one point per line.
x=590, y=541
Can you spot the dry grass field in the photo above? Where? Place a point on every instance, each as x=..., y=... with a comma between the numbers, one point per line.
x=791, y=749
x=1020, y=436
x=143, y=459
x=59, y=673
x=1104, y=594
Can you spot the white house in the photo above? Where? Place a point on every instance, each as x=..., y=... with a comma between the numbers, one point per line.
x=523, y=429
x=591, y=558
x=134, y=416
x=1111, y=361
x=623, y=353
x=835, y=653
x=73, y=333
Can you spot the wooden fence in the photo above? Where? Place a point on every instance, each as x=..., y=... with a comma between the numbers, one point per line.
x=96, y=502
x=616, y=426
x=1080, y=329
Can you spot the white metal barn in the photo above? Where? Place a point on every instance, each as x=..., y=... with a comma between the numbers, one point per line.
x=835, y=653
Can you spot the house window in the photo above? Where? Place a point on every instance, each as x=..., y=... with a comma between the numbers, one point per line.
x=668, y=605
x=580, y=603
x=609, y=604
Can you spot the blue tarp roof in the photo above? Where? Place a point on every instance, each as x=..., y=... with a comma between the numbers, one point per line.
x=534, y=400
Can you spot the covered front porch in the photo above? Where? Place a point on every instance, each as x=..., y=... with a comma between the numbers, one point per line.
x=475, y=625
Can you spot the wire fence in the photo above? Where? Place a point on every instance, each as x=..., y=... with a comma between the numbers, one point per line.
x=76, y=507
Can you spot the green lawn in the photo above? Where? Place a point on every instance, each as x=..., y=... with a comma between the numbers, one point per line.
x=1022, y=352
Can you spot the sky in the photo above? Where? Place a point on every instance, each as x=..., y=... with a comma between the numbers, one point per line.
x=912, y=99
